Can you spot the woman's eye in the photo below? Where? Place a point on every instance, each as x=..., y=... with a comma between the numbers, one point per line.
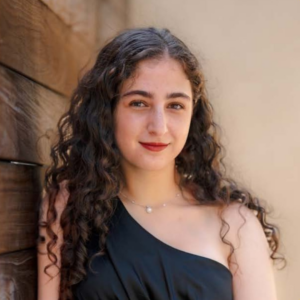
x=177, y=106
x=137, y=104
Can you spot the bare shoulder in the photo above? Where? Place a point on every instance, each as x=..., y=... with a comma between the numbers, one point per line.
x=60, y=204
x=61, y=200
x=63, y=194
x=251, y=265
x=49, y=287
x=238, y=212
x=244, y=225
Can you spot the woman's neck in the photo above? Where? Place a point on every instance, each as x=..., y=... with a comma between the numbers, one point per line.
x=151, y=187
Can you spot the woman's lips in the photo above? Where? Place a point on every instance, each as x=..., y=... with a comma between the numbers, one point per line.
x=156, y=147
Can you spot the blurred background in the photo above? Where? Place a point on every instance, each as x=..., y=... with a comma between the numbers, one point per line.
x=250, y=54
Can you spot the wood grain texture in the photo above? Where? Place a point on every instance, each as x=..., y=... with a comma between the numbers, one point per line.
x=112, y=19
x=18, y=275
x=80, y=16
x=27, y=112
x=20, y=197
x=35, y=42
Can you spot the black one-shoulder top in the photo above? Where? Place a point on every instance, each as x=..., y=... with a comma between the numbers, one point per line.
x=139, y=266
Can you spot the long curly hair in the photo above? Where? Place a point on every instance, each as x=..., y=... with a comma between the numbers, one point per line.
x=86, y=160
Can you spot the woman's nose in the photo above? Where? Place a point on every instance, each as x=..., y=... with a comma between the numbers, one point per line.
x=157, y=122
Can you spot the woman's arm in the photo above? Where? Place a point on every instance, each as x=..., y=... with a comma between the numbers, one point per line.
x=251, y=265
x=48, y=289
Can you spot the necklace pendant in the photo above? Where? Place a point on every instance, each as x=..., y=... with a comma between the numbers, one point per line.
x=148, y=209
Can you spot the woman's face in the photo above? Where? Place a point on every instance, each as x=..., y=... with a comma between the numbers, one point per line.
x=154, y=107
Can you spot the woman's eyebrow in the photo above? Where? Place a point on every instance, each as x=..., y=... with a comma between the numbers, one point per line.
x=150, y=95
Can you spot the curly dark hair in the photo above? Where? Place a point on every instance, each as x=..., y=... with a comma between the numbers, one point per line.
x=87, y=158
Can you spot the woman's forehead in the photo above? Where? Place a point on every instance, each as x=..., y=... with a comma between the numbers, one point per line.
x=157, y=73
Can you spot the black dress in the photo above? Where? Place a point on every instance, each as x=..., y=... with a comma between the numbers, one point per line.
x=138, y=266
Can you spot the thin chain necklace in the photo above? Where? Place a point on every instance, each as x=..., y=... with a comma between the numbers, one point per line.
x=148, y=208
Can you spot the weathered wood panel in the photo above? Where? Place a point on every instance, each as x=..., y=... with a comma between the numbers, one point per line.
x=43, y=52
x=20, y=195
x=112, y=19
x=35, y=42
x=18, y=275
x=27, y=111
x=80, y=16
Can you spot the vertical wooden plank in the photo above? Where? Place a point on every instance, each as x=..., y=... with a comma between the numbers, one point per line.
x=27, y=112
x=112, y=19
x=80, y=16
x=35, y=42
x=18, y=275
x=20, y=196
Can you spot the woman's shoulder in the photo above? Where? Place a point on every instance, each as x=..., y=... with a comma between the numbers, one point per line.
x=250, y=262
x=61, y=198
x=238, y=225
x=239, y=215
x=63, y=190
x=246, y=233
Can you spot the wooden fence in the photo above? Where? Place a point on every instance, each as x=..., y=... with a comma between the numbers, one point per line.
x=45, y=47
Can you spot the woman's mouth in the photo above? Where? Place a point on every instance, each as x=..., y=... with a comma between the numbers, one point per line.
x=156, y=147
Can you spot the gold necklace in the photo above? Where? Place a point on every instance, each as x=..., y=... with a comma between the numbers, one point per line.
x=148, y=208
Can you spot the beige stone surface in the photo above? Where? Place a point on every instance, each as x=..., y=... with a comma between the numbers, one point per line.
x=250, y=52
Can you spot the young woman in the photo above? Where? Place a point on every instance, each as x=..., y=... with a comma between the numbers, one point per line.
x=137, y=203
